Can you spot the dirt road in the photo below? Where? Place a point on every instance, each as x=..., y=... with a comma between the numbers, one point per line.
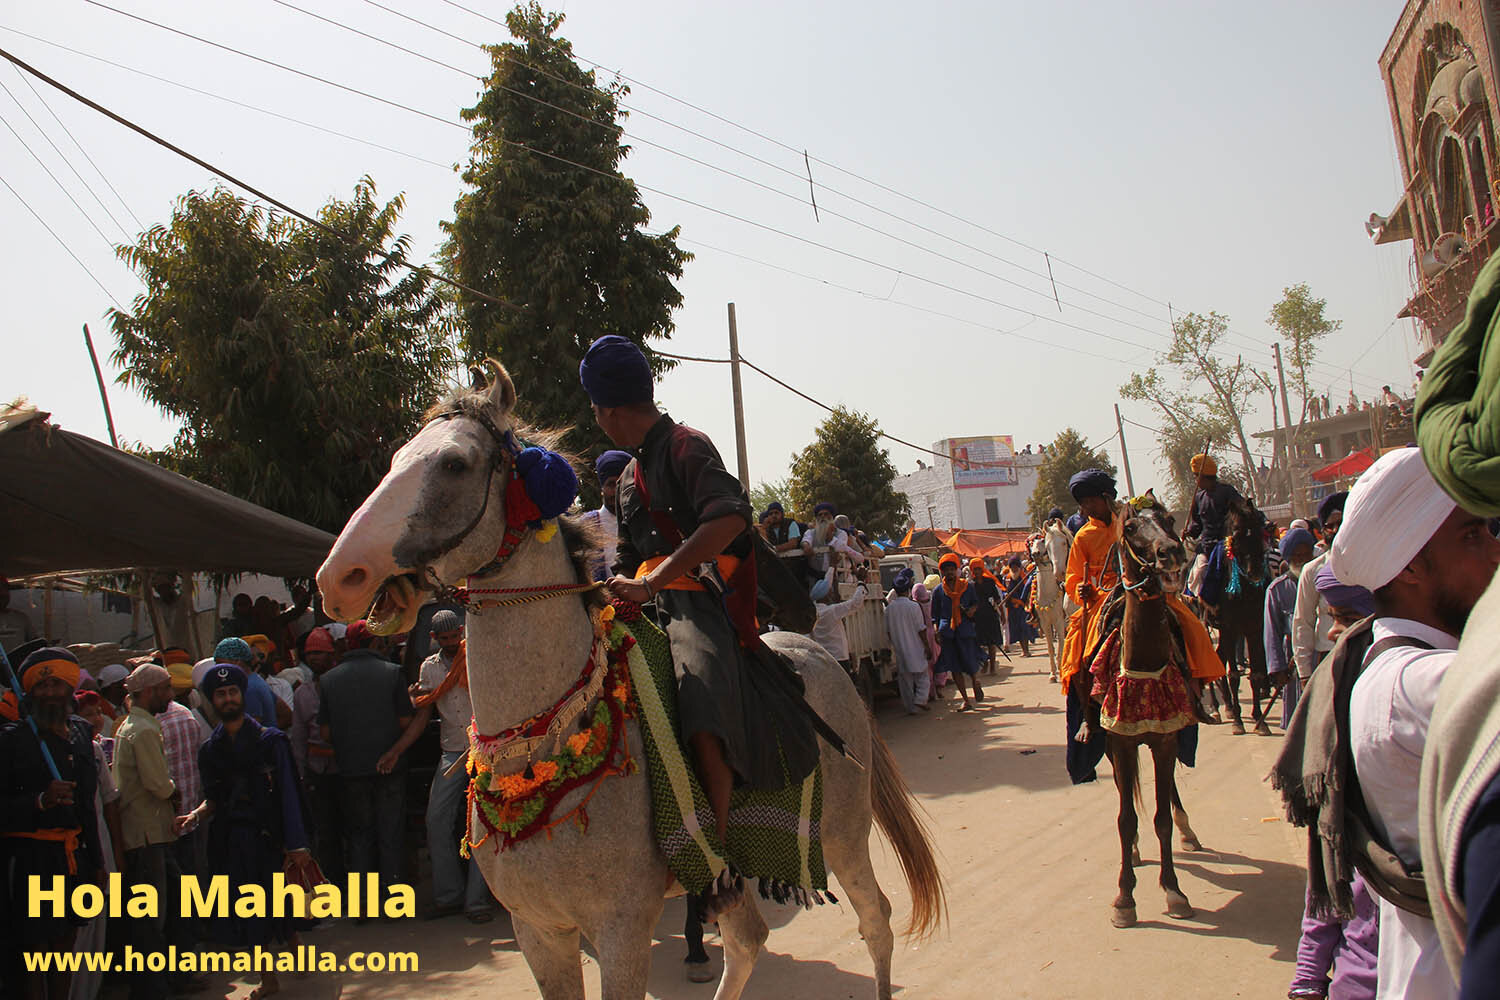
x=1031, y=865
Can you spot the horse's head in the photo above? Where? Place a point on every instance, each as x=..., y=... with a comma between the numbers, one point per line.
x=1245, y=531
x=1154, y=552
x=436, y=517
x=1036, y=545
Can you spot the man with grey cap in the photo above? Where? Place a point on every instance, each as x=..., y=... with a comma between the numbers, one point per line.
x=1427, y=561
x=443, y=682
x=146, y=815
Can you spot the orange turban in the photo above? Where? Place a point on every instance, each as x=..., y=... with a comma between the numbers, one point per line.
x=52, y=661
x=1203, y=465
x=950, y=559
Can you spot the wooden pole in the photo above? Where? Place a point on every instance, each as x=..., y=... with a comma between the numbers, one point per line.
x=741, y=453
x=1124, y=454
x=1294, y=488
x=109, y=419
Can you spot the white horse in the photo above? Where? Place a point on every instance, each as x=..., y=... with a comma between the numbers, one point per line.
x=1049, y=552
x=437, y=519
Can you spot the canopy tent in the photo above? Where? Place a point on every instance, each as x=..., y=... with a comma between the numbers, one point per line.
x=1348, y=467
x=921, y=538
x=991, y=544
x=69, y=503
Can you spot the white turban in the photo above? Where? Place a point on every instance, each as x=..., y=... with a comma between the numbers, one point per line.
x=1393, y=511
x=201, y=669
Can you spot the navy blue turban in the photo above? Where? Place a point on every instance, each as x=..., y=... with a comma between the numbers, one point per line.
x=611, y=463
x=223, y=675
x=1075, y=522
x=1055, y=514
x=1332, y=502
x=902, y=584
x=614, y=372
x=773, y=505
x=1294, y=538
x=1092, y=483
x=825, y=505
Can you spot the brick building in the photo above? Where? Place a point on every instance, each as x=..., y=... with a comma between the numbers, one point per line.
x=1440, y=69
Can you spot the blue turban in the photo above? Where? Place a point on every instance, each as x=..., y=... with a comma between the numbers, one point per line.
x=1092, y=483
x=1342, y=595
x=774, y=505
x=820, y=589
x=904, y=580
x=1055, y=514
x=223, y=675
x=1075, y=522
x=550, y=480
x=233, y=650
x=614, y=372
x=1294, y=538
x=825, y=505
x=1332, y=502
x=611, y=463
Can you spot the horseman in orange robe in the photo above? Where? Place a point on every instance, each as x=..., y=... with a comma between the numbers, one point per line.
x=1091, y=575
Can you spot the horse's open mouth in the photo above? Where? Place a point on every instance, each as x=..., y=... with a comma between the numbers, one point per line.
x=393, y=600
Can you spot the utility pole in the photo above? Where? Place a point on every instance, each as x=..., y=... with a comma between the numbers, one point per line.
x=1124, y=454
x=109, y=419
x=1293, y=487
x=739, y=400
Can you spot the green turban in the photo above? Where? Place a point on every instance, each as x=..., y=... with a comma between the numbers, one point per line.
x=1458, y=404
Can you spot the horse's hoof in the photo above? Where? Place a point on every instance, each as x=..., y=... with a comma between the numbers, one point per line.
x=699, y=972
x=1237, y=728
x=1261, y=729
x=1122, y=916
x=1135, y=859
x=1192, y=844
x=1178, y=908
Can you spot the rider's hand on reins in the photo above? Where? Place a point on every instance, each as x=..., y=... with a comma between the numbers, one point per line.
x=626, y=589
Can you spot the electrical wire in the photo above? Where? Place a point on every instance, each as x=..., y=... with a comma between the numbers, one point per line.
x=319, y=224
x=60, y=242
x=229, y=100
x=66, y=193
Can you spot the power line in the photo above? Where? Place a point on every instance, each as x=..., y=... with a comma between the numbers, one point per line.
x=67, y=249
x=417, y=268
x=616, y=176
x=229, y=100
x=79, y=146
x=66, y=193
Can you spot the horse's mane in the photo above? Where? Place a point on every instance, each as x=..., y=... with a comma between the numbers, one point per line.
x=581, y=539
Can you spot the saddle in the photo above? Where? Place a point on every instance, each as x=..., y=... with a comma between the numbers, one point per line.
x=1112, y=617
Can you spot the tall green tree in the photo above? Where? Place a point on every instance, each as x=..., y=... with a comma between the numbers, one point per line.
x=549, y=224
x=767, y=490
x=846, y=466
x=1299, y=318
x=297, y=361
x=1067, y=456
x=1199, y=391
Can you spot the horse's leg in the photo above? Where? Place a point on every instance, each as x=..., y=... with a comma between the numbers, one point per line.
x=1256, y=639
x=552, y=956
x=1229, y=684
x=692, y=932
x=1122, y=758
x=1051, y=653
x=1190, y=841
x=851, y=863
x=742, y=931
x=1164, y=759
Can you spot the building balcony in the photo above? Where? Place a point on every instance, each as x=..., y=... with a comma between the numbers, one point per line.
x=1442, y=297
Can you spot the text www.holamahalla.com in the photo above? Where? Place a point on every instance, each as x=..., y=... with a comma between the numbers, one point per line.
x=303, y=958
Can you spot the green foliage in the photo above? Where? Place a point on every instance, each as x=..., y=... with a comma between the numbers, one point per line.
x=1067, y=456
x=1179, y=443
x=1205, y=399
x=762, y=493
x=846, y=466
x=1299, y=318
x=297, y=362
x=549, y=224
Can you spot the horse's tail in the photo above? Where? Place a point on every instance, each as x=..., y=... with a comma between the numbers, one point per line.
x=908, y=835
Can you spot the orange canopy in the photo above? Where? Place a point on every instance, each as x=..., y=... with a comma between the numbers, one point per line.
x=991, y=544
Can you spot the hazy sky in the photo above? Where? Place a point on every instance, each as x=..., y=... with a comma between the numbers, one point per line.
x=1202, y=154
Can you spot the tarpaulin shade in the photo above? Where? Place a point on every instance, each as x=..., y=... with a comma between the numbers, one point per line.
x=1348, y=467
x=69, y=503
x=991, y=544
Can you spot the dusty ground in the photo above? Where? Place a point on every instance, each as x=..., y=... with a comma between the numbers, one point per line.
x=1031, y=865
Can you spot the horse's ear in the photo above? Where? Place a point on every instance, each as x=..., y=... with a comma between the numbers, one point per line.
x=502, y=389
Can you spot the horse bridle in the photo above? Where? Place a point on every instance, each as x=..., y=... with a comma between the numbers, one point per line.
x=1151, y=571
x=502, y=455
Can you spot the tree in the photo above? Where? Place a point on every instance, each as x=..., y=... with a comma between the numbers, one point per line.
x=296, y=360
x=846, y=466
x=550, y=225
x=1067, y=456
x=1299, y=318
x=767, y=490
x=1211, y=395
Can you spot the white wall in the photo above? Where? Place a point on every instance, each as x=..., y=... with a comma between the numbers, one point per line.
x=930, y=491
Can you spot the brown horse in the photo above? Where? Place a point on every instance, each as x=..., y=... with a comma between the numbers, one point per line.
x=1153, y=561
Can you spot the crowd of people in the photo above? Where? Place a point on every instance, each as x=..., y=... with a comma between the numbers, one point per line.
x=282, y=753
